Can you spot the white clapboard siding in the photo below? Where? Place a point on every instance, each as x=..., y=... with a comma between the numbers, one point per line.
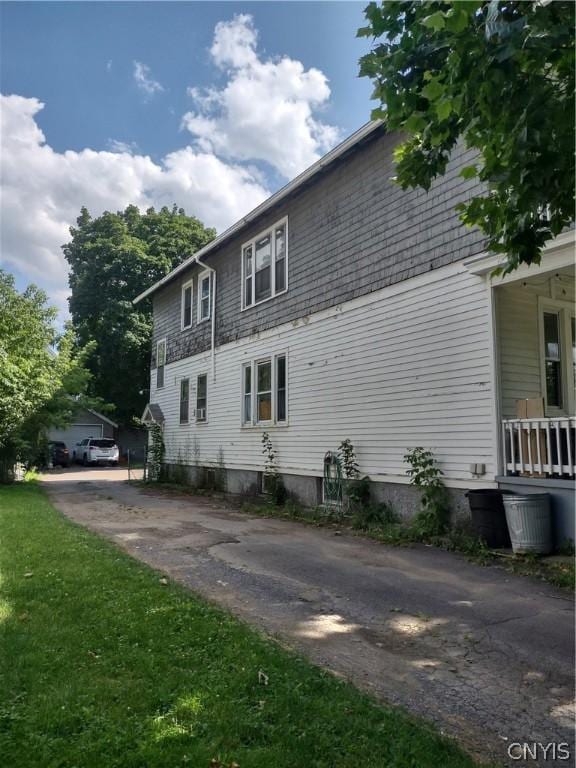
x=518, y=339
x=404, y=366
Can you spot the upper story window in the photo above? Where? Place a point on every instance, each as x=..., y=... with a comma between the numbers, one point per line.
x=160, y=363
x=265, y=265
x=204, y=296
x=186, y=305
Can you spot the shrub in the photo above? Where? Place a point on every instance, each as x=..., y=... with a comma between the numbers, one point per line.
x=433, y=518
x=374, y=516
x=347, y=457
x=358, y=491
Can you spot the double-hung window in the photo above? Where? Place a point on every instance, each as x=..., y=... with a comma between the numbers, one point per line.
x=184, y=401
x=264, y=391
x=202, y=397
x=265, y=265
x=552, y=359
x=160, y=363
x=204, y=295
x=558, y=356
x=186, y=305
x=247, y=394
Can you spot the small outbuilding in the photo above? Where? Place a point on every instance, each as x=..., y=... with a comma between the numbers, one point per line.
x=87, y=423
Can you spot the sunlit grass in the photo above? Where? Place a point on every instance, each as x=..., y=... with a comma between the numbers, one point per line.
x=104, y=666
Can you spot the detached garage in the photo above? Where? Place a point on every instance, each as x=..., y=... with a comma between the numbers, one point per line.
x=87, y=423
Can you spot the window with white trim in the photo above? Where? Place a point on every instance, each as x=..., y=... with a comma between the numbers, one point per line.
x=558, y=356
x=247, y=394
x=204, y=296
x=265, y=391
x=160, y=363
x=265, y=265
x=202, y=397
x=186, y=305
x=184, y=401
x=552, y=359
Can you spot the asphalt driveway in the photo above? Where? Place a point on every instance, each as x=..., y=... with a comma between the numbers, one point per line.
x=486, y=656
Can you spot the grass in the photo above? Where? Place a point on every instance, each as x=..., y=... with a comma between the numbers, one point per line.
x=105, y=663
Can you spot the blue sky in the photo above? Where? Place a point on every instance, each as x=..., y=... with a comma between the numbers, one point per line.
x=210, y=105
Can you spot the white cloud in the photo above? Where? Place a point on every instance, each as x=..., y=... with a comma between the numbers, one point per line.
x=43, y=191
x=129, y=147
x=266, y=110
x=144, y=81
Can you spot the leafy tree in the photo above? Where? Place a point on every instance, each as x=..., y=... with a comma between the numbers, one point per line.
x=500, y=76
x=113, y=258
x=42, y=379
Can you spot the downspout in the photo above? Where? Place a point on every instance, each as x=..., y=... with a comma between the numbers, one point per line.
x=212, y=316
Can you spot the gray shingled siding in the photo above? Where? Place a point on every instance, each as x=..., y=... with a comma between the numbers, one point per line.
x=350, y=231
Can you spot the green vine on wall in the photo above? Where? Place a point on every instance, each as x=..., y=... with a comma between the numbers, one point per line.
x=155, y=452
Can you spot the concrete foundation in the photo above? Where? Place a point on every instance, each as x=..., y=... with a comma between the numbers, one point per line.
x=306, y=489
x=405, y=499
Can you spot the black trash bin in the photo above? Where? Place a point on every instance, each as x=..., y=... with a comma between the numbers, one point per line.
x=489, y=517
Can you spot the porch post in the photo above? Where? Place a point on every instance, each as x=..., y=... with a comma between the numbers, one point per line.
x=499, y=468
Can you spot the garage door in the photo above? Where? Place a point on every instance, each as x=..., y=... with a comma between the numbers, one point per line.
x=75, y=433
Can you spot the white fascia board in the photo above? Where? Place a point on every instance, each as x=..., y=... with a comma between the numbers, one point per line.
x=314, y=169
x=558, y=253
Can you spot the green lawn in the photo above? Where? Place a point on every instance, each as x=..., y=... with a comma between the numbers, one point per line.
x=102, y=665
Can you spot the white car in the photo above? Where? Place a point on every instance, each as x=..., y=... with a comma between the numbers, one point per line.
x=93, y=450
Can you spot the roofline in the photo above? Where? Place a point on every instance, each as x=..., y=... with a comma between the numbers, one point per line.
x=101, y=416
x=286, y=190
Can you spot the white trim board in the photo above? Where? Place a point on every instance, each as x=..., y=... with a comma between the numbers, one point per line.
x=559, y=253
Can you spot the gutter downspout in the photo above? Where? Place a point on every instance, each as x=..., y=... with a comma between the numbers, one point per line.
x=212, y=315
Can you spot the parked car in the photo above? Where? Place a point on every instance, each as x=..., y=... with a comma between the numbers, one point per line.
x=96, y=450
x=59, y=454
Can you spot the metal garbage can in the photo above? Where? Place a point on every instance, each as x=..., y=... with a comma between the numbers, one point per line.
x=529, y=522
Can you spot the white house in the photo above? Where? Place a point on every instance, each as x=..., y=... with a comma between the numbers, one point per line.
x=344, y=307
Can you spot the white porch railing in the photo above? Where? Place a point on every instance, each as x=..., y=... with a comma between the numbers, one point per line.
x=540, y=447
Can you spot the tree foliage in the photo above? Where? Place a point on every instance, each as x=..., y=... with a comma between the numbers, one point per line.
x=42, y=378
x=113, y=258
x=500, y=76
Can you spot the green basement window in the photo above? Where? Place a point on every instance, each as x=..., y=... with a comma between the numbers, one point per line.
x=264, y=391
x=265, y=265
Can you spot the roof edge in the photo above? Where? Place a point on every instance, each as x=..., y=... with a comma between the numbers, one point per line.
x=283, y=192
x=101, y=416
